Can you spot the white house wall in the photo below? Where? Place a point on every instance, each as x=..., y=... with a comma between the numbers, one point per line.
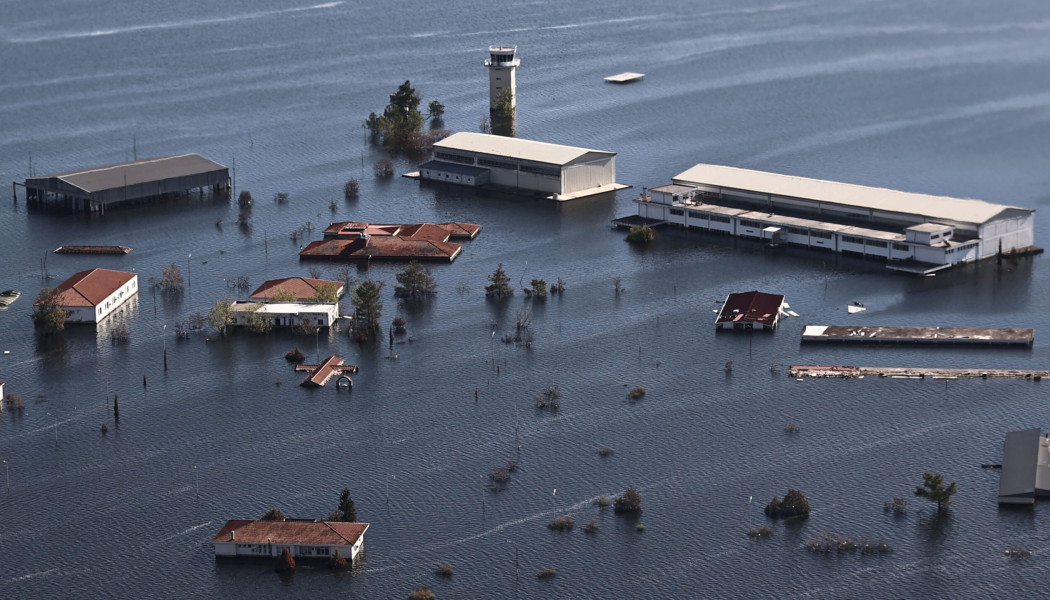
x=94, y=314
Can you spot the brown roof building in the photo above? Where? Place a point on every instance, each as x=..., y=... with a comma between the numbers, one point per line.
x=747, y=310
x=90, y=296
x=304, y=288
x=303, y=538
x=356, y=241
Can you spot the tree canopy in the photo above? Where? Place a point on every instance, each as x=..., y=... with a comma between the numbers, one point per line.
x=400, y=127
x=326, y=292
x=500, y=284
x=48, y=315
x=794, y=504
x=274, y=514
x=415, y=281
x=629, y=502
x=220, y=317
x=347, y=511
x=933, y=489
x=367, y=304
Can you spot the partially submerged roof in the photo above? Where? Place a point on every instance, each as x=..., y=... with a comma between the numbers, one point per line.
x=109, y=177
x=846, y=194
x=499, y=145
x=751, y=307
x=381, y=248
x=304, y=288
x=90, y=288
x=1025, y=473
x=297, y=532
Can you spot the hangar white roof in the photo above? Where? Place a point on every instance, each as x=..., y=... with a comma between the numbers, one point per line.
x=499, y=145
x=846, y=194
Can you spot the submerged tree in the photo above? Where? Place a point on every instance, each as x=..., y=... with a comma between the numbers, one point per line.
x=500, y=284
x=367, y=305
x=933, y=489
x=346, y=511
x=794, y=504
x=400, y=127
x=415, y=281
x=47, y=314
x=629, y=502
x=220, y=317
x=170, y=281
x=642, y=234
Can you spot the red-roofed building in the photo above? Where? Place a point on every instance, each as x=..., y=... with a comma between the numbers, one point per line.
x=304, y=288
x=89, y=296
x=355, y=240
x=748, y=310
x=304, y=539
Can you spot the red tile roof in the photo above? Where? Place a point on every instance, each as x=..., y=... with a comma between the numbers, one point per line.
x=304, y=288
x=318, y=533
x=90, y=288
x=751, y=307
x=381, y=248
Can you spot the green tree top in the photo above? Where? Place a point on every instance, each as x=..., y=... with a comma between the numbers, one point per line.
x=415, y=281
x=274, y=514
x=326, y=292
x=367, y=303
x=347, y=511
x=47, y=314
x=500, y=284
x=220, y=317
x=933, y=489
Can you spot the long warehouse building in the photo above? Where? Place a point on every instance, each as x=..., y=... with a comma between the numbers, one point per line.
x=521, y=166
x=917, y=233
x=99, y=188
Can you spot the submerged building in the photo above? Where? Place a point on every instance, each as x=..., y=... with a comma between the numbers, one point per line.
x=750, y=310
x=521, y=166
x=90, y=296
x=99, y=188
x=303, y=538
x=917, y=233
x=1026, y=467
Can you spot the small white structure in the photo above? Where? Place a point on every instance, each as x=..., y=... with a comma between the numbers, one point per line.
x=523, y=166
x=303, y=538
x=286, y=314
x=90, y=296
x=917, y=233
x=502, y=64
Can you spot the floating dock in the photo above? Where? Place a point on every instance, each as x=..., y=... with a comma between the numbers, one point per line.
x=625, y=78
x=92, y=250
x=849, y=372
x=848, y=334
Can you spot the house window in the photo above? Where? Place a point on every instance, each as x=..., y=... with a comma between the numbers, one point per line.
x=677, y=212
x=901, y=247
x=821, y=234
x=876, y=243
x=853, y=239
x=747, y=223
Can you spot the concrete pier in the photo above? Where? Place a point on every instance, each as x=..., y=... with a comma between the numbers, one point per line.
x=848, y=372
x=856, y=334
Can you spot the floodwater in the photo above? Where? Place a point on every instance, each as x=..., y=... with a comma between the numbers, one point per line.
x=942, y=97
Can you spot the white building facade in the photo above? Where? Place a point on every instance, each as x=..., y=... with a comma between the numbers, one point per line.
x=286, y=314
x=525, y=166
x=914, y=232
x=90, y=296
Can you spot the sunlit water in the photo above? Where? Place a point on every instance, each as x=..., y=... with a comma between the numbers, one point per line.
x=945, y=98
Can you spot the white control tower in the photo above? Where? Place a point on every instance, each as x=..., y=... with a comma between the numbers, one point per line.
x=502, y=63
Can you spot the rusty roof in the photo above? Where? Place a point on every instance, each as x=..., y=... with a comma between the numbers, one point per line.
x=304, y=288
x=318, y=533
x=90, y=288
x=381, y=248
x=96, y=179
x=751, y=307
x=324, y=371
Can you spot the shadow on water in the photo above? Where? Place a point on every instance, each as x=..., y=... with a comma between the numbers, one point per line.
x=934, y=527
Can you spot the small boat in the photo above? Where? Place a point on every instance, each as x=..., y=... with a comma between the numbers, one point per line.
x=7, y=297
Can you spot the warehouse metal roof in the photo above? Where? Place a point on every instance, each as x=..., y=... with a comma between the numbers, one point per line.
x=846, y=194
x=109, y=177
x=499, y=145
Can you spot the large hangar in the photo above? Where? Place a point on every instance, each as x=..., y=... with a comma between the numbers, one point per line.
x=524, y=166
